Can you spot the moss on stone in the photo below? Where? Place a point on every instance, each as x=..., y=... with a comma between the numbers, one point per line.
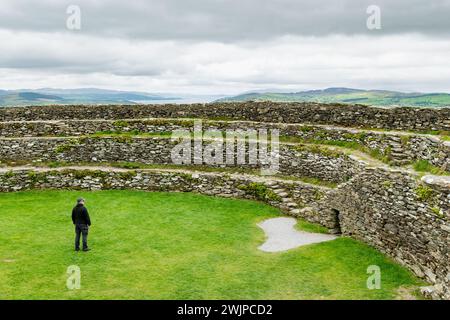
x=306, y=128
x=424, y=193
x=36, y=177
x=360, y=136
x=387, y=184
x=405, y=139
x=9, y=174
x=327, y=152
x=127, y=174
x=438, y=212
x=260, y=191
x=66, y=146
x=186, y=176
x=121, y=123
x=426, y=166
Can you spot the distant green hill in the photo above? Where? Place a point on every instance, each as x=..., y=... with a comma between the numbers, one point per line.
x=74, y=96
x=25, y=98
x=351, y=96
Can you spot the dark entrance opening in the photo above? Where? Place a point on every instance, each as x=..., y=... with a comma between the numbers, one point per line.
x=337, y=221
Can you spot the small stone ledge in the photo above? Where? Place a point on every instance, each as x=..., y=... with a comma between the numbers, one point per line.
x=439, y=181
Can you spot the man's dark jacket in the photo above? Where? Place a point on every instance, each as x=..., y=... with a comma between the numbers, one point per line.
x=80, y=215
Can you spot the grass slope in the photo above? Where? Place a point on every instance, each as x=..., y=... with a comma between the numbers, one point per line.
x=173, y=246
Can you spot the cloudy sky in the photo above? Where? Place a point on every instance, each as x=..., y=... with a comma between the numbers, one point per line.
x=225, y=46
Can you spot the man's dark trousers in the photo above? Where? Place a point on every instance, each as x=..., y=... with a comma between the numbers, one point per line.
x=81, y=229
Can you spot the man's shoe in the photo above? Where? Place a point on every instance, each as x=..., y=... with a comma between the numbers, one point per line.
x=87, y=249
x=77, y=249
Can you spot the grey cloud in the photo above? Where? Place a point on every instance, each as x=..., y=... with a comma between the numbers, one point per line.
x=218, y=46
x=53, y=60
x=228, y=20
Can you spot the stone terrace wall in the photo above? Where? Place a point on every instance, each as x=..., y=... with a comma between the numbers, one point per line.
x=407, y=220
x=85, y=127
x=303, y=162
x=399, y=148
x=215, y=184
x=345, y=115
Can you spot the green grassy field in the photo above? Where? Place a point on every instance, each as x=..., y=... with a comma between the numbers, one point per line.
x=173, y=246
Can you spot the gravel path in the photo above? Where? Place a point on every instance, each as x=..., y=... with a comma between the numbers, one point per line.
x=282, y=236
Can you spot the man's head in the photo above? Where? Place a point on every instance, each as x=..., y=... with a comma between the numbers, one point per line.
x=80, y=201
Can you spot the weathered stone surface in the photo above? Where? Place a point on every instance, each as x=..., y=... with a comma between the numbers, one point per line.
x=334, y=167
x=400, y=148
x=399, y=216
x=337, y=114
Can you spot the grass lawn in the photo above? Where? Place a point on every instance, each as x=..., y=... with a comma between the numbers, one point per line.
x=173, y=246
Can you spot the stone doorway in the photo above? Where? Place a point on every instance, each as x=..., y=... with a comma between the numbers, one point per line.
x=337, y=221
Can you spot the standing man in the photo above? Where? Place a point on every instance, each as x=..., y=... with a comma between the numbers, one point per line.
x=81, y=220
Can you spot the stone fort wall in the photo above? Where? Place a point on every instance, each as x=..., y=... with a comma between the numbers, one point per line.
x=336, y=114
x=392, y=209
x=398, y=147
x=295, y=161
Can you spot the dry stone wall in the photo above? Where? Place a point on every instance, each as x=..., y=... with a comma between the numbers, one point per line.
x=398, y=148
x=290, y=196
x=345, y=115
x=86, y=127
x=404, y=218
x=296, y=162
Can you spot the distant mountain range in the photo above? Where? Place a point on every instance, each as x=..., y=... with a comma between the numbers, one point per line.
x=45, y=96
x=350, y=96
x=76, y=96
